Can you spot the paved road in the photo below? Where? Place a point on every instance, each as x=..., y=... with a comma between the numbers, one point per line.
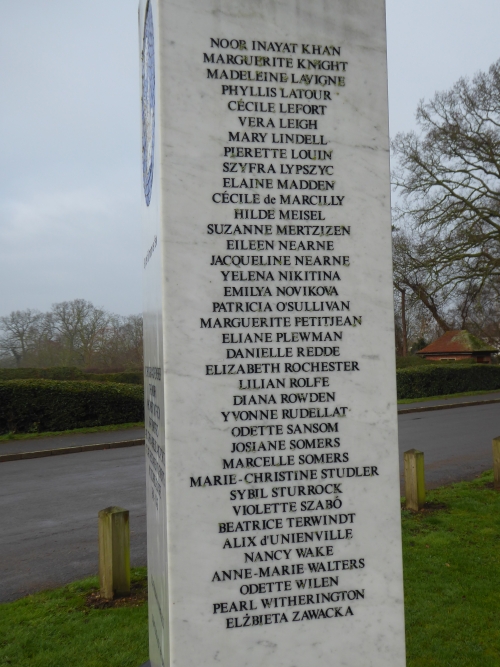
x=48, y=507
x=456, y=443
x=48, y=516
x=495, y=395
x=75, y=440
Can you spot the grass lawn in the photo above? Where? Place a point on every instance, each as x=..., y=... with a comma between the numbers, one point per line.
x=8, y=437
x=452, y=584
x=403, y=401
x=452, y=577
x=57, y=629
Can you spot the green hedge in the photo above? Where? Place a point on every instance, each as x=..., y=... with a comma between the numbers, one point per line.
x=411, y=361
x=53, y=373
x=29, y=406
x=69, y=373
x=437, y=379
x=127, y=377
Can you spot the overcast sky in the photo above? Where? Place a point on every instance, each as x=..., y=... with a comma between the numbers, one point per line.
x=70, y=177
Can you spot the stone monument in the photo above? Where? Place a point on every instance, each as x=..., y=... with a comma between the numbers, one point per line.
x=271, y=435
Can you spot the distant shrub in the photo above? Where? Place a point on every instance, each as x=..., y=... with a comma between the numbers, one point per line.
x=53, y=373
x=109, y=369
x=47, y=405
x=127, y=377
x=411, y=361
x=69, y=373
x=435, y=379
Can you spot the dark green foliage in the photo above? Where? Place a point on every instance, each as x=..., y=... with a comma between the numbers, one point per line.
x=56, y=628
x=419, y=345
x=127, y=377
x=69, y=373
x=47, y=405
x=451, y=577
x=53, y=373
x=414, y=360
x=411, y=361
x=440, y=378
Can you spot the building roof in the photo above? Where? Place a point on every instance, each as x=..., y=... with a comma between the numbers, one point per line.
x=455, y=342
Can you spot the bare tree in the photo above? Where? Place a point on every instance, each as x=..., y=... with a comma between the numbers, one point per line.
x=20, y=330
x=81, y=328
x=448, y=179
x=72, y=333
x=413, y=270
x=123, y=346
x=93, y=334
x=419, y=323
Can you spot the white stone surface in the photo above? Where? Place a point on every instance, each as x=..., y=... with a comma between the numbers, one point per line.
x=186, y=407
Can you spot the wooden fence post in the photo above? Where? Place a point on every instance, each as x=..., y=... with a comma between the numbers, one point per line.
x=114, y=552
x=414, y=480
x=496, y=463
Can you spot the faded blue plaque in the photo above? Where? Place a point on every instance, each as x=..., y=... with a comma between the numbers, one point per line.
x=148, y=103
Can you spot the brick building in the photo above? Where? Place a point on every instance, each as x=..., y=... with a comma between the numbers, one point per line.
x=456, y=346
